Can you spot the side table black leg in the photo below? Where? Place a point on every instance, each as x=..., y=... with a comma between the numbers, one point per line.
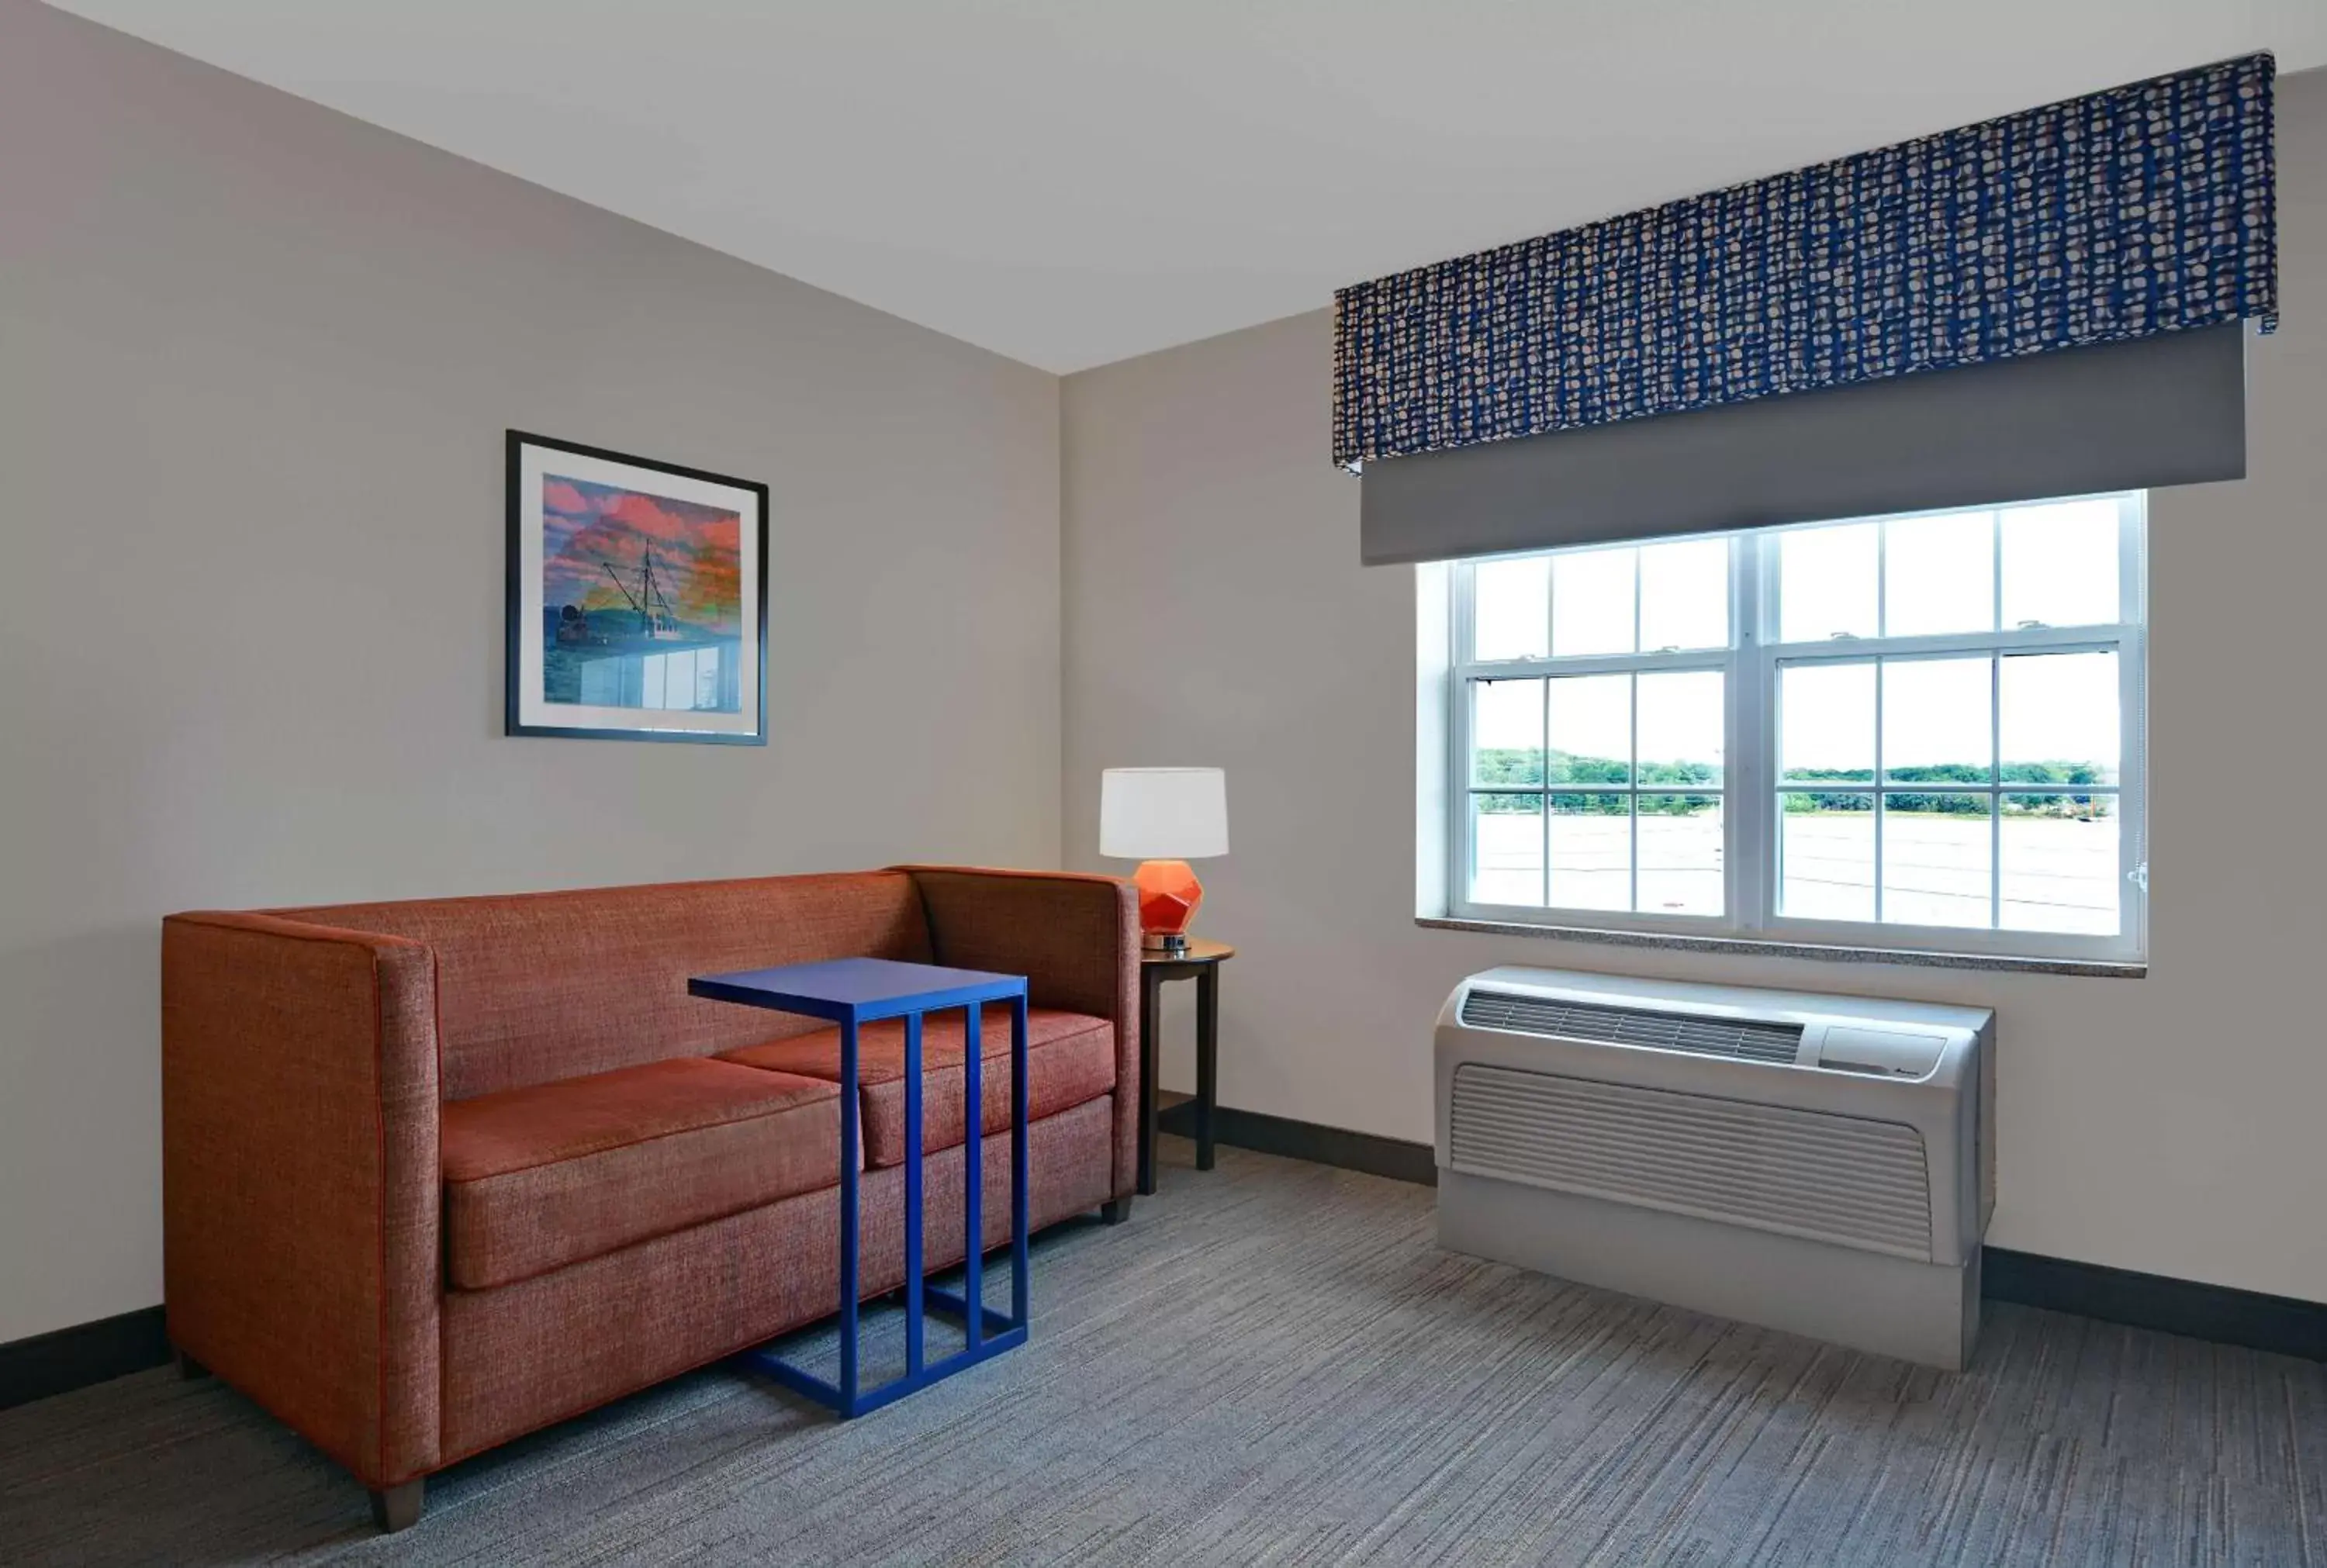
x=1208, y=1059
x=1151, y=984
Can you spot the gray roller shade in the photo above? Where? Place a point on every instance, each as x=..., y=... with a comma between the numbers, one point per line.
x=2164, y=410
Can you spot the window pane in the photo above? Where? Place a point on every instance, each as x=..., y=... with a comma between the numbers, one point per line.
x=1680, y=854
x=1510, y=602
x=1827, y=723
x=1938, y=574
x=1685, y=595
x=2060, y=870
x=1825, y=856
x=1507, y=849
x=2060, y=718
x=1937, y=854
x=1592, y=603
x=1506, y=731
x=1995, y=804
x=1591, y=852
x=1592, y=729
x=2059, y=565
x=1936, y=725
x=1826, y=582
x=1682, y=727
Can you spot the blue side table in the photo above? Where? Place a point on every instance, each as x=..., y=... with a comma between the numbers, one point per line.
x=852, y=993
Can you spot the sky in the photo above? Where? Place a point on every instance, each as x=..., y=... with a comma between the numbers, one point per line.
x=697, y=550
x=1932, y=575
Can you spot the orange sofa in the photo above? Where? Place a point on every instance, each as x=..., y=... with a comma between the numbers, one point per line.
x=440, y=1173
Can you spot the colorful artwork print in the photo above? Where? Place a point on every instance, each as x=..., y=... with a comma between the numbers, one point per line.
x=643, y=599
x=637, y=598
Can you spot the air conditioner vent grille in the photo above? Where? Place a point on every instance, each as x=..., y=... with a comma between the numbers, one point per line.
x=1547, y=1015
x=1811, y=1173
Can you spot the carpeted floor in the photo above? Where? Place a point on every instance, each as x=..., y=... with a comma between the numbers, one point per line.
x=1272, y=1363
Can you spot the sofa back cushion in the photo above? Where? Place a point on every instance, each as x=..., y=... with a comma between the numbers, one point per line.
x=533, y=987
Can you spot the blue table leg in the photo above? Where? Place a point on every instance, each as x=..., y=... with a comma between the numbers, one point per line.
x=973, y=1172
x=989, y=1332
x=848, y=1163
x=913, y=1319
x=1018, y=1173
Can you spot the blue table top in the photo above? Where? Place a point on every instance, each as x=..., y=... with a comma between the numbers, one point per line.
x=862, y=989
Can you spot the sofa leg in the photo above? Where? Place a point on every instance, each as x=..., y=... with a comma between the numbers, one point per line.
x=395, y=1509
x=188, y=1368
x=1114, y=1210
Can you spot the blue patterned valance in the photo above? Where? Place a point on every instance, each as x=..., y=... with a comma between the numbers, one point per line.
x=2145, y=208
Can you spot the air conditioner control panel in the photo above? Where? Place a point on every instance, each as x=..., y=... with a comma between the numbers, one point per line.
x=1890, y=1052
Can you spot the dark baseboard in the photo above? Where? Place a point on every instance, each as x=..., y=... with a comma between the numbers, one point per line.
x=70, y=1358
x=1319, y=1145
x=2285, y=1325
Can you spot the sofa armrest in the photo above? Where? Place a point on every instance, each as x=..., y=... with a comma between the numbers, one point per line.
x=1074, y=936
x=301, y=1177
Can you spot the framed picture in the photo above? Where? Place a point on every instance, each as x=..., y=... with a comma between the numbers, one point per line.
x=638, y=598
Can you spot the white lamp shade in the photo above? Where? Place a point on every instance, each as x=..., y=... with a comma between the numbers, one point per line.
x=1163, y=813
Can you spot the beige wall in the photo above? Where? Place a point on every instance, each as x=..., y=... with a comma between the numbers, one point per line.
x=1215, y=613
x=256, y=360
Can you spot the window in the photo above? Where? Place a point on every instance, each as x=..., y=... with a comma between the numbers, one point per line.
x=1914, y=731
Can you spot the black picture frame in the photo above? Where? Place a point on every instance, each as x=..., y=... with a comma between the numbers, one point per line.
x=524, y=624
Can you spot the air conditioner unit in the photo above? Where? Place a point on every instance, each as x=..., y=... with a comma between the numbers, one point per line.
x=1820, y=1164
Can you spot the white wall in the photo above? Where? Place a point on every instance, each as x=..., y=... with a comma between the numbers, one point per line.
x=256, y=361
x=1215, y=613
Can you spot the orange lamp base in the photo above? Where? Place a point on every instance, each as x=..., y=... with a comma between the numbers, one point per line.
x=1168, y=894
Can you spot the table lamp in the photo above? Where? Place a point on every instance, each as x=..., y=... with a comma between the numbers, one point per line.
x=1164, y=818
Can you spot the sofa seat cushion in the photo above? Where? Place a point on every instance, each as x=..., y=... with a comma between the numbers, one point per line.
x=1069, y=1059
x=540, y=1177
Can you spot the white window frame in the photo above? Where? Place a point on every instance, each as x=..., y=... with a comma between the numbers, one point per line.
x=1750, y=796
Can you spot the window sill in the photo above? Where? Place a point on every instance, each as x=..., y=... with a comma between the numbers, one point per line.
x=2093, y=968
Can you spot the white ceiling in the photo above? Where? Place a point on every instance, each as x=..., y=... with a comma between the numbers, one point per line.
x=1072, y=181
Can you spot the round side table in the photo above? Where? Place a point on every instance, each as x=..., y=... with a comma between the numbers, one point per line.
x=1199, y=961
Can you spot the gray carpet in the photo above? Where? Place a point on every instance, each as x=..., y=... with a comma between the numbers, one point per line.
x=1271, y=1363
